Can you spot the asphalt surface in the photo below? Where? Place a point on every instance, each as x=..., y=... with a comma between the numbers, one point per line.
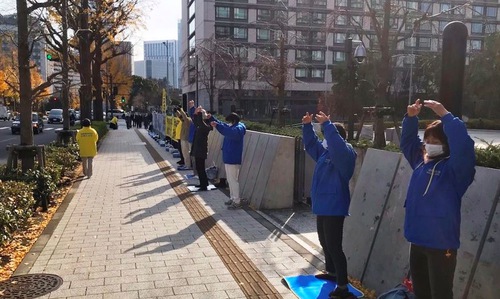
x=7, y=138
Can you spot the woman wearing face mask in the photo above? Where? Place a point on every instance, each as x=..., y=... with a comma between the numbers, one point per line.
x=443, y=169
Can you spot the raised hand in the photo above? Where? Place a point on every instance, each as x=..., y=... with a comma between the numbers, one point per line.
x=213, y=124
x=414, y=109
x=307, y=118
x=437, y=107
x=322, y=117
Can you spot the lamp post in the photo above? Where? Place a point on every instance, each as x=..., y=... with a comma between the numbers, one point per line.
x=197, y=88
x=359, y=55
x=168, y=60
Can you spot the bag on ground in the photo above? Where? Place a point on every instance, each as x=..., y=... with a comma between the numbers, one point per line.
x=399, y=292
x=212, y=172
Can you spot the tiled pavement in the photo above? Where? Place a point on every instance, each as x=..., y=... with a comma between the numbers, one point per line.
x=127, y=233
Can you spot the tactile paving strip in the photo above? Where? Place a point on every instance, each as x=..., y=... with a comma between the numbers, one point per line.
x=29, y=285
x=251, y=281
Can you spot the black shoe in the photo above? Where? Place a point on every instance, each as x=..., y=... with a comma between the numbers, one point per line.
x=326, y=276
x=180, y=162
x=339, y=293
x=202, y=189
x=197, y=186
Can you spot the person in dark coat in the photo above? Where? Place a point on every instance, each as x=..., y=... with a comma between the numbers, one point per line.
x=200, y=144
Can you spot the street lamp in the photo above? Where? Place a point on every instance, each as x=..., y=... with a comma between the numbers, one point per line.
x=359, y=55
x=168, y=59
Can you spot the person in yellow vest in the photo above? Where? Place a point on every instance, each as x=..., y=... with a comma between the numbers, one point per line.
x=113, y=124
x=87, y=138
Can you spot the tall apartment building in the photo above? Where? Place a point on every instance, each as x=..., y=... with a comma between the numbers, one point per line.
x=161, y=60
x=315, y=32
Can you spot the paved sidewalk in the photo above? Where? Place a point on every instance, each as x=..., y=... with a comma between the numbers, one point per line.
x=134, y=231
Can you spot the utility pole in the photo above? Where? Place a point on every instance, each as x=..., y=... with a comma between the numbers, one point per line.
x=352, y=86
x=197, y=87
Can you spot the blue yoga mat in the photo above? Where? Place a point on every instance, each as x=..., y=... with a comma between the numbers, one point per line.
x=309, y=287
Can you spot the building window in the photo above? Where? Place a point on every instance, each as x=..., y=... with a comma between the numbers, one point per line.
x=263, y=15
x=263, y=34
x=338, y=56
x=442, y=24
x=490, y=28
x=491, y=12
x=317, y=74
x=301, y=37
x=410, y=42
x=240, y=33
x=301, y=73
x=303, y=3
x=341, y=3
x=339, y=38
x=376, y=4
x=477, y=11
x=302, y=54
x=424, y=42
x=425, y=26
x=445, y=7
x=319, y=3
x=319, y=18
x=476, y=45
x=222, y=12
x=426, y=7
x=356, y=3
x=222, y=31
x=357, y=21
x=476, y=28
x=240, y=52
x=318, y=55
x=412, y=5
x=192, y=43
x=302, y=18
x=341, y=20
x=240, y=13
x=319, y=37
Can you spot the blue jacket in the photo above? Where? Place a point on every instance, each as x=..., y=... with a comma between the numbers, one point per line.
x=192, y=127
x=436, y=188
x=232, y=147
x=334, y=168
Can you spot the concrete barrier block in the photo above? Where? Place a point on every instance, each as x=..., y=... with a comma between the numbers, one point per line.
x=477, y=205
x=264, y=172
x=367, y=202
x=389, y=260
x=255, y=167
x=279, y=189
x=366, y=132
x=486, y=280
x=391, y=135
x=247, y=162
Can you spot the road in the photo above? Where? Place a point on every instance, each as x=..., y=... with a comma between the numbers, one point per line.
x=7, y=138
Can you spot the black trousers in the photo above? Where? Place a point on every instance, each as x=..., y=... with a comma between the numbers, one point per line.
x=330, y=234
x=200, y=168
x=432, y=272
x=177, y=146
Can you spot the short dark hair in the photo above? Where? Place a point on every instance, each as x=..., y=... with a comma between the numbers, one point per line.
x=233, y=118
x=435, y=129
x=341, y=129
x=86, y=122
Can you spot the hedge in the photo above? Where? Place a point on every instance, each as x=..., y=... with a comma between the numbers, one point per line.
x=16, y=201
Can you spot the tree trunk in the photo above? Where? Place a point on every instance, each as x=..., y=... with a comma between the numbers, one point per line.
x=25, y=92
x=85, y=62
x=65, y=68
x=97, y=81
x=281, y=83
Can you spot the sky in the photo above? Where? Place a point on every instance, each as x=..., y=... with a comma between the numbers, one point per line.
x=160, y=18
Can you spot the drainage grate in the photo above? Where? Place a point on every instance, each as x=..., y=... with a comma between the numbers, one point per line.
x=29, y=285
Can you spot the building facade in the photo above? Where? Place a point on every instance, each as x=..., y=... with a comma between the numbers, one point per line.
x=315, y=32
x=161, y=59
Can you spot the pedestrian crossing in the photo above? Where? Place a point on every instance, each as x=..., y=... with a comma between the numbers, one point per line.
x=45, y=129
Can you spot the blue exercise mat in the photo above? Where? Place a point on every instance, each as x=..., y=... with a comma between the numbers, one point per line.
x=309, y=287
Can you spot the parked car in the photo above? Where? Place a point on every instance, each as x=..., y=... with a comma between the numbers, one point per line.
x=119, y=113
x=55, y=116
x=4, y=113
x=36, y=122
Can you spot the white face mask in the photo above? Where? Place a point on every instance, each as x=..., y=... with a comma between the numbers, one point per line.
x=434, y=150
x=324, y=144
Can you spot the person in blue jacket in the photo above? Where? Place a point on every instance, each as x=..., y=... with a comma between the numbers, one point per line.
x=330, y=195
x=232, y=152
x=443, y=168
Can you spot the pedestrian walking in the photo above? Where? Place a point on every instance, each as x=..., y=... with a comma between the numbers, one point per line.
x=200, y=145
x=87, y=138
x=232, y=153
x=335, y=161
x=443, y=168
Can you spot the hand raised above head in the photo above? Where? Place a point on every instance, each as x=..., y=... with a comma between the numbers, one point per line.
x=437, y=107
x=307, y=118
x=414, y=109
x=321, y=117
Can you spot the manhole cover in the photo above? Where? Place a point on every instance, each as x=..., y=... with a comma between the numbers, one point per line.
x=29, y=285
